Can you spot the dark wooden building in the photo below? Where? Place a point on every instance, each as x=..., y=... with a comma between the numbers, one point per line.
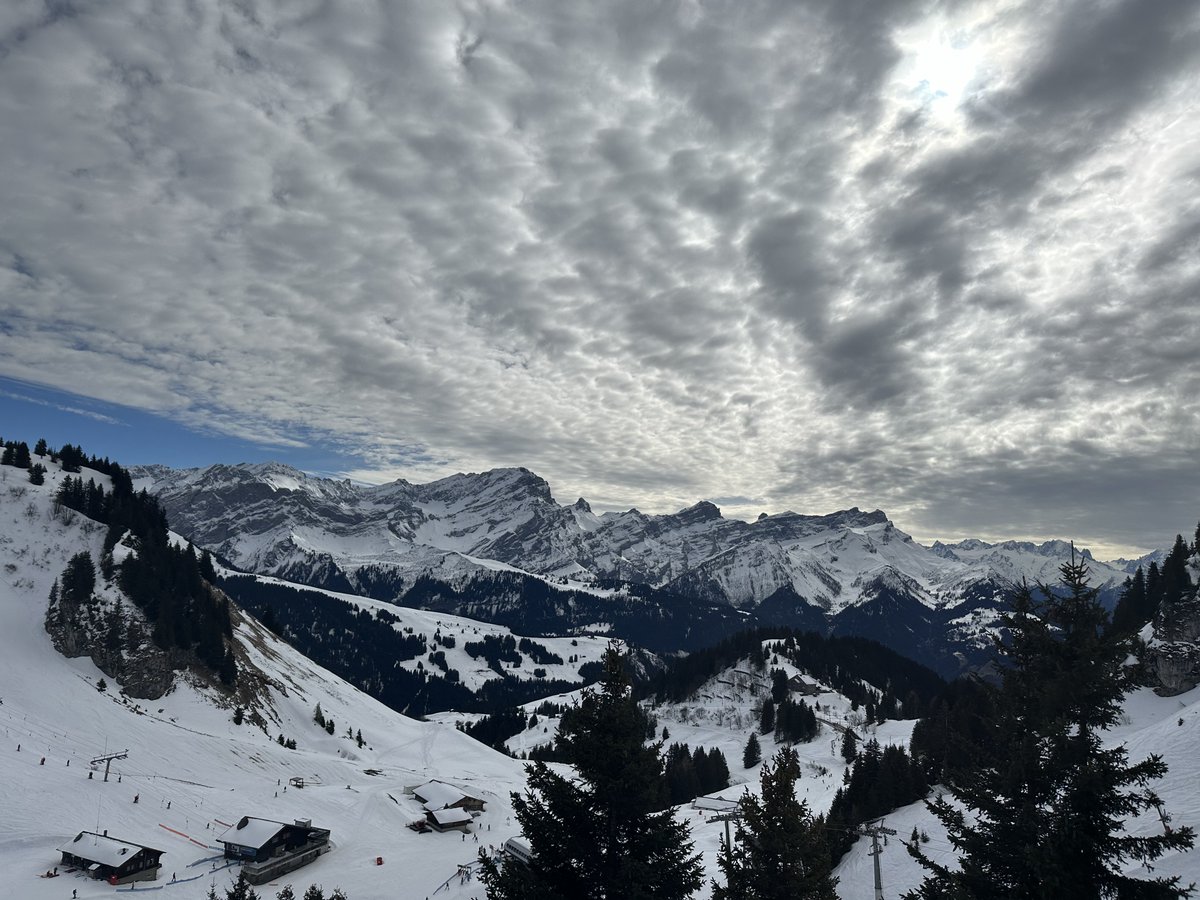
x=110, y=859
x=268, y=849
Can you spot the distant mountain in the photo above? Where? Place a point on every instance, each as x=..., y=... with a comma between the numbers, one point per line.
x=447, y=544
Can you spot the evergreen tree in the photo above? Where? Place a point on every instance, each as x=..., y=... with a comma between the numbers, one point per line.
x=40, y=448
x=78, y=580
x=849, y=745
x=21, y=458
x=1176, y=587
x=766, y=723
x=779, y=685
x=37, y=474
x=752, y=755
x=1044, y=815
x=779, y=851
x=1133, y=609
x=598, y=836
x=241, y=889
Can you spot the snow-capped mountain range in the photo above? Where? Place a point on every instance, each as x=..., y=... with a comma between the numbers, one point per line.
x=851, y=566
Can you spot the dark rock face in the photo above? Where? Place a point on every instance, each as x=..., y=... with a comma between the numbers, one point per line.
x=144, y=671
x=1173, y=658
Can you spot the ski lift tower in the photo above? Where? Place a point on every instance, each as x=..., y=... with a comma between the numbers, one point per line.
x=732, y=816
x=873, y=830
x=107, y=759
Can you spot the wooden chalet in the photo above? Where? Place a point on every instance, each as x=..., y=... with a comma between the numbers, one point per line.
x=448, y=819
x=802, y=686
x=439, y=795
x=269, y=849
x=111, y=859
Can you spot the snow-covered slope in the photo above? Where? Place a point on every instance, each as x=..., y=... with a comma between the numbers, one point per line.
x=193, y=770
x=1166, y=726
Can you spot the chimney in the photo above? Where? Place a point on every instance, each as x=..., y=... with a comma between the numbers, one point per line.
x=304, y=823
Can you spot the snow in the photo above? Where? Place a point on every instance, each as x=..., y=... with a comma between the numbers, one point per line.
x=254, y=833
x=184, y=750
x=436, y=795
x=100, y=848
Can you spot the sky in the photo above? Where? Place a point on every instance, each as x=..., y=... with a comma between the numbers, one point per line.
x=939, y=258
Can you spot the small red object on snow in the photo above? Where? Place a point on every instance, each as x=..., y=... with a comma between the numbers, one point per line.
x=379, y=860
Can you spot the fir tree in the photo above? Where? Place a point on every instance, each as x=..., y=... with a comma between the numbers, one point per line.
x=598, y=836
x=1176, y=587
x=1133, y=609
x=752, y=755
x=241, y=889
x=766, y=722
x=849, y=745
x=1044, y=815
x=779, y=851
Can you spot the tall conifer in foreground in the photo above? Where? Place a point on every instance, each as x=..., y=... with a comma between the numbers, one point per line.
x=779, y=852
x=1043, y=816
x=596, y=837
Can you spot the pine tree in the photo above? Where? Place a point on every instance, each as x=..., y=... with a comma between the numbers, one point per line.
x=1133, y=609
x=766, y=723
x=849, y=745
x=779, y=851
x=1044, y=814
x=598, y=836
x=1176, y=587
x=241, y=889
x=752, y=755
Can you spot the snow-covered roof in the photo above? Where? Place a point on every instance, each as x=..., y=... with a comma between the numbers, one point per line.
x=438, y=794
x=102, y=849
x=447, y=817
x=251, y=832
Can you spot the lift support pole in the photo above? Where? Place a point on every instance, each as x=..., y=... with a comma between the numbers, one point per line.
x=107, y=759
x=873, y=830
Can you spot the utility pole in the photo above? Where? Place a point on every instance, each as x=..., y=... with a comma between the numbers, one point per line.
x=873, y=830
x=107, y=759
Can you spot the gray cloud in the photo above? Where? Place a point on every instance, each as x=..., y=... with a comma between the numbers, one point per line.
x=933, y=257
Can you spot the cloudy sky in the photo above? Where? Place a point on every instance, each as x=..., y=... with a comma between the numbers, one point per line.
x=938, y=258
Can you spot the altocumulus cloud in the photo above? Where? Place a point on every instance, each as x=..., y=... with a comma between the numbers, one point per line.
x=939, y=258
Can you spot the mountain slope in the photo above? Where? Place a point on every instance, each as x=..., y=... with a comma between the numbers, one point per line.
x=476, y=545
